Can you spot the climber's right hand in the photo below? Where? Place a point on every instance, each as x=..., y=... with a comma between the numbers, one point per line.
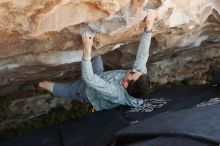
x=87, y=39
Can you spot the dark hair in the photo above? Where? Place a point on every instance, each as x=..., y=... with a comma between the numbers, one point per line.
x=139, y=88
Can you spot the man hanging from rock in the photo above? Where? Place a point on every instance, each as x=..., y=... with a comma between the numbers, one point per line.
x=106, y=90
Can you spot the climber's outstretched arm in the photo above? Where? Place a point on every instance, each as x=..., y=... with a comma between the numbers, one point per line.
x=143, y=50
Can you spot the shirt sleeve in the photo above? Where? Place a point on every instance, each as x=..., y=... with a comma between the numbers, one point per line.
x=143, y=53
x=98, y=83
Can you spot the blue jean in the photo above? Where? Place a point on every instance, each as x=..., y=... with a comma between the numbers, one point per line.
x=76, y=90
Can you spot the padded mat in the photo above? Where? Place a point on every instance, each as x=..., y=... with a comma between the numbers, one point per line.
x=200, y=122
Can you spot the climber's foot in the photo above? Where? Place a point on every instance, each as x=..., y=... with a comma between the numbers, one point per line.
x=31, y=87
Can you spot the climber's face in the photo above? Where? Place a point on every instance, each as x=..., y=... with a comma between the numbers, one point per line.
x=129, y=77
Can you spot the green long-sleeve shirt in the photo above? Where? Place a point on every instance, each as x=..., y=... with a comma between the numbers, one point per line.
x=104, y=91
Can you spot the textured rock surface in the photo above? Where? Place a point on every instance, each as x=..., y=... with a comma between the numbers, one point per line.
x=40, y=39
x=27, y=108
x=37, y=35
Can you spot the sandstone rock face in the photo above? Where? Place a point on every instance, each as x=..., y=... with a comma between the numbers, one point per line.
x=40, y=39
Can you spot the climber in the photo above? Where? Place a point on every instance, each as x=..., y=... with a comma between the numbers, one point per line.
x=106, y=90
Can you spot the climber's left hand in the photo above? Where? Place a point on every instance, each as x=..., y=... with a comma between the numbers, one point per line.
x=149, y=21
